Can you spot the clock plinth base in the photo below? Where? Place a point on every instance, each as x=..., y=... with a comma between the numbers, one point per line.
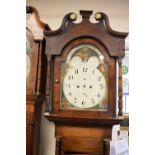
x=85, y=136
x=81, y=140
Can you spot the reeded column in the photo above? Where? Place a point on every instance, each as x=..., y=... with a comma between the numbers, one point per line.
x=120, y=90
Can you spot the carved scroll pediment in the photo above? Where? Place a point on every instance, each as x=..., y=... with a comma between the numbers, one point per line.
x=101, y=31
x=34, y=24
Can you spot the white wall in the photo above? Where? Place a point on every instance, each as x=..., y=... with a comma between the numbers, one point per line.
x=52, y=13
x=47, y=139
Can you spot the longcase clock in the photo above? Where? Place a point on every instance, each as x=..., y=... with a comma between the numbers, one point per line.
x=35, y=81
x=82, y=77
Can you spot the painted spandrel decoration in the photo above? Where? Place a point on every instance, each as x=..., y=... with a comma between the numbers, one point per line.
x=84, y=79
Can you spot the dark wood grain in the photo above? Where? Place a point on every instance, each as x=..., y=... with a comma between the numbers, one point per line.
x=82, y=140
x=79, y=131
x=106, y=145
x=120, y=92
x=58, y=145
x=35, y=86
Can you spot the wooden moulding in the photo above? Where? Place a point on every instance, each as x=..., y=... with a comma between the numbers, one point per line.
x=34, y=30
x=70, y=31
x=34, y=24
x=56, y=43
x=79, y=131
x=35, y=84
x=83, y=121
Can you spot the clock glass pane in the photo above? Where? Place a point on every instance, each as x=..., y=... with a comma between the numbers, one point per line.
x=84, y=79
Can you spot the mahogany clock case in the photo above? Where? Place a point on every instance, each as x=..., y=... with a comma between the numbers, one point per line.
x=58, y=45
x=82, y=131
x=35, y=84
x=76, y=131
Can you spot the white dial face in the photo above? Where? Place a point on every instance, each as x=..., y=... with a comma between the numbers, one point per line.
x=84, y=86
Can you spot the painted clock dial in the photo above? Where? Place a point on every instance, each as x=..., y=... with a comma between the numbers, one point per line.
x=84, y=79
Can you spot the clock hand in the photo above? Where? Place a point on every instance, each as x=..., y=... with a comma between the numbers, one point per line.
x=85, y=94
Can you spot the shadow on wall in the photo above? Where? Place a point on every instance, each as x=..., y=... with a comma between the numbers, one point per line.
x=47, y=139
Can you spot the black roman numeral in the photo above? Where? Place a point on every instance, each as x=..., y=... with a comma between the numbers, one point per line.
x=70, y=77
x=101, y=86
x=92, y=100
x=98, y=95
x=76, y=71
x=99, y=78
x=85, y=69
x=83, y=103
x=93, y=71
x=70, y=94
x=68, y=85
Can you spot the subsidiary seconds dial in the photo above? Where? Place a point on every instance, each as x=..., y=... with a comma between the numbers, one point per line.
x=84, y=86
